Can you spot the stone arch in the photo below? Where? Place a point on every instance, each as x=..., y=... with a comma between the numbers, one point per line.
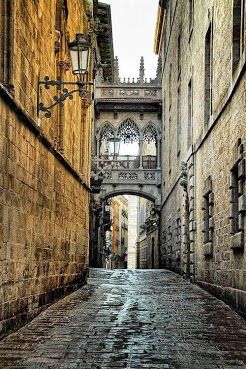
x=143, y=194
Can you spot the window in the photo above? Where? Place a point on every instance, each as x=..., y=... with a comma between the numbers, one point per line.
x=61, y=52
x=170, y=245
x=234, y=200
x=6, y=34
x=170, y=86
x=190, y=113
x=208, y=75
x=238, y=198
x=170, y=14
x=179, y=56
x=191, y=15
x=165, y=41
x=178, y=239
x=208, y=220
x=61, y=14
x=243, y=26
x=169, y=143
x=178, y=121
x=164, y=116
x=237, y=32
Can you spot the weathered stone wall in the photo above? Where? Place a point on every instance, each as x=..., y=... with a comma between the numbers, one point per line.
x=223, y=270
x=44, y=172
x=214, y=264
x=148, y=238
x=143, y=251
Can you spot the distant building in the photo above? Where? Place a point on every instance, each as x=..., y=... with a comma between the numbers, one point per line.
x=132, y=232
x=202, y=46
x=119, y=230
x=147, y=230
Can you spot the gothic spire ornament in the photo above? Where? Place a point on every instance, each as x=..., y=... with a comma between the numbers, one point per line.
x=116, y=70
x=141, y=70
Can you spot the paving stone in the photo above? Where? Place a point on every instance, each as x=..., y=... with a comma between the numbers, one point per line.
x=131, y=319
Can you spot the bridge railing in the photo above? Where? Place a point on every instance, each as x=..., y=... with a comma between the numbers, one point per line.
x=127, y=162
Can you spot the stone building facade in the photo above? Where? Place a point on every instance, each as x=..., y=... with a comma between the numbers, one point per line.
x=119, y=229
x=44, y=163
x=202, y=45
x=148, y=236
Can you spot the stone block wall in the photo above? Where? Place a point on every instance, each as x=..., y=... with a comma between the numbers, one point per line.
x=216, y=262
x=223, y=272
x=148, y=250
x=143, y=252
x=44, y=186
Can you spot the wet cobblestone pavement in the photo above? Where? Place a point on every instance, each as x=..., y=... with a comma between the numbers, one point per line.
x=131, y=319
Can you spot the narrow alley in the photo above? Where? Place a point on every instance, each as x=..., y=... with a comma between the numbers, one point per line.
x=131, y=319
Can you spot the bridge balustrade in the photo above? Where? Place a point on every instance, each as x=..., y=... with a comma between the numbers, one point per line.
x=128, y=162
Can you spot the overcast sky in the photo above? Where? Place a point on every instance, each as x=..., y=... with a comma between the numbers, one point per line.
x=133, y=32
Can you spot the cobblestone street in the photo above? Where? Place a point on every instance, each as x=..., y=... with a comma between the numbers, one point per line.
x=131, y=319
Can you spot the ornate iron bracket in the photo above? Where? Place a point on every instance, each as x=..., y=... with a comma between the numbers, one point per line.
x=65, y=93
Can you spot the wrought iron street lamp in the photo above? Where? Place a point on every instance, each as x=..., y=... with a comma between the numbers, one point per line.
x=114, y=146
x=97, y=176
x=79, y=54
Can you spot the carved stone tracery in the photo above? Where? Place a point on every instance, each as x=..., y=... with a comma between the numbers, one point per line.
x=129, y=131
x=128, y=176
x=150, y=134
x=106, y=132
x=107, y=92
x=129, y=92
x=150, y=93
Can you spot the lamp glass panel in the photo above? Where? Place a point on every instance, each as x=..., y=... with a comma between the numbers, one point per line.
x=114, y=146
x=79, y=59
x=79, y=54
x=117, y=147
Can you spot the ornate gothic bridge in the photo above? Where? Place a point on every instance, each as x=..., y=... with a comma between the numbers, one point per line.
x=131, y=111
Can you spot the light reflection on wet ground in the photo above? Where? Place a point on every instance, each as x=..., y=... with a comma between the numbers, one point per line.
x=131, y=319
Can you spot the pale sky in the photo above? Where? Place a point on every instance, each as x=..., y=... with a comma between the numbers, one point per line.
x=133, y=33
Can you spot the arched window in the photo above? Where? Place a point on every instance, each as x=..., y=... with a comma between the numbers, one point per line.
x=128, y=131
x=105, y=133
x=149, y=147
x=150, y=134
